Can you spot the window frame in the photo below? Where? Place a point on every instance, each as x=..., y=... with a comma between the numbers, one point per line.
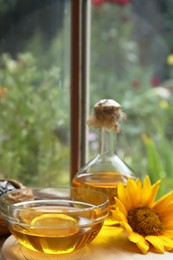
x=79, y=102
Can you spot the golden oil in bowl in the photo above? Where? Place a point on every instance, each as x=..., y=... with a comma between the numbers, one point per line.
x=56, y=226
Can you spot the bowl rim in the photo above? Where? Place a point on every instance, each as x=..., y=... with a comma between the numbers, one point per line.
x=2, y=197
x=16, y=206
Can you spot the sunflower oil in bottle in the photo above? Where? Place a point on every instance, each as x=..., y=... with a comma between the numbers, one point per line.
x=106, y=169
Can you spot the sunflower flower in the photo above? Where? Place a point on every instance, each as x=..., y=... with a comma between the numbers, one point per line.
x=147, y=222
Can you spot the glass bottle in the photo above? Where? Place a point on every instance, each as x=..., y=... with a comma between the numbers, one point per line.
x=105, y=170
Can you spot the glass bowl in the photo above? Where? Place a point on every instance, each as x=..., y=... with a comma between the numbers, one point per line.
x=54, y=220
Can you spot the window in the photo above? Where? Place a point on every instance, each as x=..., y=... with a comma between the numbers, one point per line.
x=58, y=58
x=34, y=91
x=131, y=62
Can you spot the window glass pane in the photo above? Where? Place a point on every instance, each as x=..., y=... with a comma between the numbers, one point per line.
x=34, y=91
x=132, y=62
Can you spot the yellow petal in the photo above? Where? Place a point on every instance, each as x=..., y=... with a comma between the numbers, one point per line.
x=167, y=242
x=121, y=207
x=149, y=192
x=156, y=242
x=134, y=191
x=168, y=227
x=154, y=192
x=147, y=183
x=118, y=215
x=146, y=191
x=163, y=202
x=169, y=233
x=139, y=184
x=143, y=245
x=168, y=211
x=167, y=219
x=124, y=196
x=127, y=227
x=134, y=237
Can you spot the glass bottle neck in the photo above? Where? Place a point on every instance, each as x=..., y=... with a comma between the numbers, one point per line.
x=106, y=142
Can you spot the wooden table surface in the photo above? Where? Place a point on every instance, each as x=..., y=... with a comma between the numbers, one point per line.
x=109, y=245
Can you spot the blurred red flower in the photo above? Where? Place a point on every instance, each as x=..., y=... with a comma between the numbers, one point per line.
x=98, y=2
x=118, y=2
x=155, y=81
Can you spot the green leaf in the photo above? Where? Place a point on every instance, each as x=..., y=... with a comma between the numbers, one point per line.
x=154, y=167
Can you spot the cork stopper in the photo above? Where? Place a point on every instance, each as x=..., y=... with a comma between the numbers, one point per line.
x=106, y=114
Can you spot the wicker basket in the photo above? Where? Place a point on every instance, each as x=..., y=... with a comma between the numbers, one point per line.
x=5, y=186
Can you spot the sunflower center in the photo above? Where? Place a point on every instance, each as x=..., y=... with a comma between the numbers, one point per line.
x=145, y=221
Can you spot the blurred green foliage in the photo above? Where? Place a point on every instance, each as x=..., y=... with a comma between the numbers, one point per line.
x=119, y=48
x=148, y=135
x=34, y=101
x=33, y=115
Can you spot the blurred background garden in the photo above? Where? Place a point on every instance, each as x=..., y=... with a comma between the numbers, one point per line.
x=131, y=61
